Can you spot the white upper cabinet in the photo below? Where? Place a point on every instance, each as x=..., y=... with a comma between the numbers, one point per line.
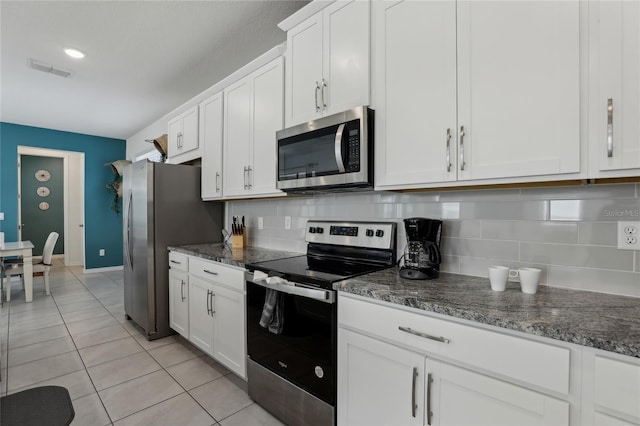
x=183, y=136
x=328, y=62
x=615, y=88
x=211, y=137
x=476, y=91
x=252, y=115
x=415, y=103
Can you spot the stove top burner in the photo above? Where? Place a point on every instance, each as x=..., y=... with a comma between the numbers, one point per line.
x=319, y=272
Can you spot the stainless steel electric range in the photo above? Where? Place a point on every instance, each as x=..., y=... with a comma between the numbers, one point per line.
x=292, y=317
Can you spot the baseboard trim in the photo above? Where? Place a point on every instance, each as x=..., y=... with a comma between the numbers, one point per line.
x=106, y=269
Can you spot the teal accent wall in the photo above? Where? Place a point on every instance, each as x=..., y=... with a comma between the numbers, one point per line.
x=103, y=227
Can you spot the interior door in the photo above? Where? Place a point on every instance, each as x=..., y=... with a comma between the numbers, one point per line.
x=42, y=200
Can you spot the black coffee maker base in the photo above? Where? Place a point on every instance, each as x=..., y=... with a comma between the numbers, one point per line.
x=419, y=274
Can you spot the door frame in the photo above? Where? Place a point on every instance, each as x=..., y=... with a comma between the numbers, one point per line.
x=78, y=194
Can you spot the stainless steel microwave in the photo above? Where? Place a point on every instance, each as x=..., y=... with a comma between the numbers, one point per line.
x=333, y=153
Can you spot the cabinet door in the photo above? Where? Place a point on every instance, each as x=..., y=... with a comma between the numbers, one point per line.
x=304, y=71
x=518, y=88
x=345, y=56
x=617, y=134
x=211, y=135
x=378, y=384
x=179, y=302
x=267, y=119
x=462, y=397
x=237, y=137
x=200, y=319
x=229, y=330
x=174, y=132
x=189, y=139
x=415, y=87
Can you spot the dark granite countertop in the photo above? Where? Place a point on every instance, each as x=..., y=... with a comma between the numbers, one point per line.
x=598, y=320
x=222, y=253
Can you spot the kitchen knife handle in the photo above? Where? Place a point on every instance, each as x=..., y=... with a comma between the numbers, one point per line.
x=462, y=163
x=414, y=377
x=429, y=413
x=316, y=96
x=217, y=181
x=610, y=127
x=448, y=150
x=426, y=336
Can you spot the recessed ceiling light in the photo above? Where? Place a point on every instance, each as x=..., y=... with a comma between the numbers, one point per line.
x=74, y=53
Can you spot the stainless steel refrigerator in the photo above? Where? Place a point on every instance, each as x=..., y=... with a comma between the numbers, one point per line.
x=161, y=207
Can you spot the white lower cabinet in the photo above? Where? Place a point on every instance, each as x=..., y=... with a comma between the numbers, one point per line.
x=387, y=379
x=215, y=312
x=179, y=302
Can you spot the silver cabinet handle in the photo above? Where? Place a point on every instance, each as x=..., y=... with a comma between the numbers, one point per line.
x=208, y=302
x=180, y=140
x=249, y=185
x=426, y=336
x=324, y=103
x=213, y=306
x=217, y=181
x=316, y=96
x=462, y=163
x=176, y=262
x=338, y=148
x=610, y=127
x=448, y=150
x=182, y=290
x=245, y=177
x=414, y=377
x=429, y=413
x=210, y=272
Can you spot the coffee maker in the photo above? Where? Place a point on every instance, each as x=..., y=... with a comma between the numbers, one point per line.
x=422, y=253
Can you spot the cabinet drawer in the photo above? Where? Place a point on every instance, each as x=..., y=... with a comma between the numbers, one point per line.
x=178, y=261
x=617, y=386
x=214, y=271
x=521, y=359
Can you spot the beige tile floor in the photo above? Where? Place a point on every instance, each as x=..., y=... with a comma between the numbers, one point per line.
x=79, y=338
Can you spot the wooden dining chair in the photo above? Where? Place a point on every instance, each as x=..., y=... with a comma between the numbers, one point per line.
x=43, y=266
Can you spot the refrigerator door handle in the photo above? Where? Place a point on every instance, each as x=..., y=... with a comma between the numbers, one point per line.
x=129, y=242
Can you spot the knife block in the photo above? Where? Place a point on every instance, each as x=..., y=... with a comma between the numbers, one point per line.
x=239, y=241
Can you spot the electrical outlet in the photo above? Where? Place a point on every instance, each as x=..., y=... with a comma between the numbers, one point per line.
x=260, y=222
x=629, y=235
x=101, y=252
x=1, y=215
x=287, y=222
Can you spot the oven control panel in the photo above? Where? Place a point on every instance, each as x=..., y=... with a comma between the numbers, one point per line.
x=379, y=235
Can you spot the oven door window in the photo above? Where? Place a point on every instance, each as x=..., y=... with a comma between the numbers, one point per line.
x=305, y=351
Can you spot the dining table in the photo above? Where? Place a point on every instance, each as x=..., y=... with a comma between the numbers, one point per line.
x=23, y=249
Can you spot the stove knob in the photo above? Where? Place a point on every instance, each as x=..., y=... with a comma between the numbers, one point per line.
x=369, y=233
x=379, y=233
x=312, y=230
x=319, y=230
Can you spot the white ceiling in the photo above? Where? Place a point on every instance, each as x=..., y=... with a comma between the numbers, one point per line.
x=144, y=58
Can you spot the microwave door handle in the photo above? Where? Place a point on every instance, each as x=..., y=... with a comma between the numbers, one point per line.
x=338, y=148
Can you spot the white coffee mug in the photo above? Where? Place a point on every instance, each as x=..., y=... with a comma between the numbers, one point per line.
x=498, y=276
x=529, y=278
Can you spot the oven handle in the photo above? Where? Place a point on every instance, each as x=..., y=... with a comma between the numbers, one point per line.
x=326, y=296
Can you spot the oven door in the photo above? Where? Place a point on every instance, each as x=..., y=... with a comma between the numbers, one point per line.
x=304, y=350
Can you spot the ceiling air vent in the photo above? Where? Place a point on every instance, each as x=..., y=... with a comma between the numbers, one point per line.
x=41, y=66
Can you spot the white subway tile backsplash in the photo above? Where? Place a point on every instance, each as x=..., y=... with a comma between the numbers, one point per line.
x=577, y=255
x=606, y=281
x=568, y=232
x=600, y=234
x=521, y=230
